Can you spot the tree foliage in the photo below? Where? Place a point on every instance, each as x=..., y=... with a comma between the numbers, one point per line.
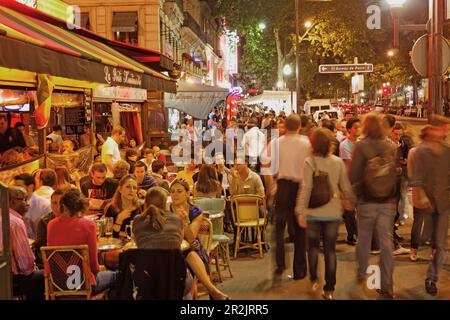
x=340, y=34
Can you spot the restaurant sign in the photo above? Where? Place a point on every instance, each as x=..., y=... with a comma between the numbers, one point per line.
x=121, y=77
x=120, y=93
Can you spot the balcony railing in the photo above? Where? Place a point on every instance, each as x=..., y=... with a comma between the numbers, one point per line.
x=190, y=23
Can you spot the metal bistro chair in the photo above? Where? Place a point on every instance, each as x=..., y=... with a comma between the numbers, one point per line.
x=215, y=209
x=245, y=210
x=67, y=272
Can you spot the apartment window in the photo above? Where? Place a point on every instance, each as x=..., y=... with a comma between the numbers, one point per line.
x=125, y=27
x=85, y=22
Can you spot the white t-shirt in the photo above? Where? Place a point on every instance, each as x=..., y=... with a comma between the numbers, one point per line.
x=254, y=142
x=287, y=156
x=110, y=147
x=55, y=137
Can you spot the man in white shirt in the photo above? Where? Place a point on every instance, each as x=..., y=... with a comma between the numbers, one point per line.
x=254, y=142
x=287, y=156
x=57, y=139
x=110, y=149
x=45, y=181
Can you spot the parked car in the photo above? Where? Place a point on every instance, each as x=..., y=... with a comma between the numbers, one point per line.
x=379, y=108
x=333, y=114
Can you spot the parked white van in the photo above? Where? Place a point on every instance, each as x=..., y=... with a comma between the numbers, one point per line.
x=311, y=106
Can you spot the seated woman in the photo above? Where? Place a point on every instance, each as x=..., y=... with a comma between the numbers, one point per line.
x=70, y=229
x=124, y=206
x=158, y=228
x=207, y=185
x=63, y=178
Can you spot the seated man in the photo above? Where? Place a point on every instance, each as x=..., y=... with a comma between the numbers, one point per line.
x=26, y=279
x=246, y=181
x=97, y=187
x=188, y=173
x=158, y=171
x=143, y=179
x=45, y=182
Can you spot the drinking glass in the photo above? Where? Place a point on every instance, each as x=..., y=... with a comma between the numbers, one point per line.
x=109, y=227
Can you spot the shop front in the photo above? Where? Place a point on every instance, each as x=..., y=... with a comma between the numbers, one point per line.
x=119, y=106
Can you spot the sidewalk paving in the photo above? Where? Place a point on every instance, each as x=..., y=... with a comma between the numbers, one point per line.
x=254, y=279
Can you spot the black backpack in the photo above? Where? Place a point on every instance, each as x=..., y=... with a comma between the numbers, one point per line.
x=380, y=175
x=321, y=192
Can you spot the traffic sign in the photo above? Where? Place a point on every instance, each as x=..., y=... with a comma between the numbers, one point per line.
x=419, y=56
x=345, y=68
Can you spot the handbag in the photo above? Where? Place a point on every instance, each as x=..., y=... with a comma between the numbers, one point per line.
x=321, y=192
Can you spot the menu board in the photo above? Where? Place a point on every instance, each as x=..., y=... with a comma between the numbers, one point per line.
x=75, y=119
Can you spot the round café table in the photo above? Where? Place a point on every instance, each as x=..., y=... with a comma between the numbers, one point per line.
x=108, y=244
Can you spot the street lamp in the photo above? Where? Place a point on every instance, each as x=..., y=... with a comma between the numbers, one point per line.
x=391, y=53
x=262, y=26
x=287, y=70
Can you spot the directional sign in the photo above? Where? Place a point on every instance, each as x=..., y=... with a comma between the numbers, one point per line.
x=344, y=68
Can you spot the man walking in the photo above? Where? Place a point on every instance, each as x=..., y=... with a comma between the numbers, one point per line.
x=430, y=181
x=373, y=173
x=353, y=127
x=287, y=155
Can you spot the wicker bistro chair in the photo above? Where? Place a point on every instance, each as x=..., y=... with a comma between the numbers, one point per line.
x=205, y=235
x=246, y=218
x=213, y=208
x=67, y=272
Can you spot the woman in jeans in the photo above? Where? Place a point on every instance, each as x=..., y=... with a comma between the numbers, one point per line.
x=325, y=219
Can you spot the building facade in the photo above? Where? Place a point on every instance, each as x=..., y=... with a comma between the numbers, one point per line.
x=184, y=30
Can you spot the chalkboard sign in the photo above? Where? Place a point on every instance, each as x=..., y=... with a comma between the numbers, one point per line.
x=75, y=119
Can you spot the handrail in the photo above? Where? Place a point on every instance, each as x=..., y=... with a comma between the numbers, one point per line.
x=13, y=166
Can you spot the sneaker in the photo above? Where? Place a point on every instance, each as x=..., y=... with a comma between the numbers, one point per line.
x=375, y=252
x=327, y=295
x=352, y=241
x=413, y=255
x=400, y=250
x=430, y=287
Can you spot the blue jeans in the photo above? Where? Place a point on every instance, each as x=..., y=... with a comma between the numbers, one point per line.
x=439, y=245
x=329, y=230
x=104, y=280
x=378, y=218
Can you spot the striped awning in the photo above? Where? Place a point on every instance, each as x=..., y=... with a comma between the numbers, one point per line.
x=27, y=43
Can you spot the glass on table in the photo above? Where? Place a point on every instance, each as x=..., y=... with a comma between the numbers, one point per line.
x=109, y=227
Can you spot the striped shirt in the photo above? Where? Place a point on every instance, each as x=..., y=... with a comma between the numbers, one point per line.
x=22, y=258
